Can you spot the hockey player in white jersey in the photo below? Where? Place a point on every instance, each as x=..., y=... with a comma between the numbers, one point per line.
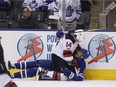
x=63, y=50
x=70, y=10
x=68, y=57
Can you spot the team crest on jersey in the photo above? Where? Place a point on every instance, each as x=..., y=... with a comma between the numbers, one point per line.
x=101, y=48
x=69, y=11
x=30, y=47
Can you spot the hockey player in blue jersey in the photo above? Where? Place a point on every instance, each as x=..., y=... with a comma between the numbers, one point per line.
x=73, y=69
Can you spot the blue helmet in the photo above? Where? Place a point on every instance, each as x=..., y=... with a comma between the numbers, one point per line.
x=59, y=34
x=85, y=53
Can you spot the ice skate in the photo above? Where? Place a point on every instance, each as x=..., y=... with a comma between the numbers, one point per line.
x=10, y=66
x=43, y=76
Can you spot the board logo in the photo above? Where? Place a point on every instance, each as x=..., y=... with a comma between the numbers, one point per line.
x=30, y=47
x=101, y=48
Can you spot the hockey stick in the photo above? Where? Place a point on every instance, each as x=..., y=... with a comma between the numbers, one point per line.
x=92, y=30
x=63, y=21
x=53, y=17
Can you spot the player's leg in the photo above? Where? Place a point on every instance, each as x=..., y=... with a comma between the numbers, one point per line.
x=22, y=65
x=26, y=73
x=30, y=64
x=47, y=64
x=59, y=64
x=51, y=75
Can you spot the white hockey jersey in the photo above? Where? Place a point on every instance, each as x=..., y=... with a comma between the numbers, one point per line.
x=33, y=5
x=52, y=6
x=65, y=47
x=72, y=9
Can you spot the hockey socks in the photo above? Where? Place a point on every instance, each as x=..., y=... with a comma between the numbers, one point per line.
x=56, y=75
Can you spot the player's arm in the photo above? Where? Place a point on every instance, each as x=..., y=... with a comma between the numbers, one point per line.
x=73, y=76
x=31, y=64
x=78, y=73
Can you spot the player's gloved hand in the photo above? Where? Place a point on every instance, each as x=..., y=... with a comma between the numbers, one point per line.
x=68, y=73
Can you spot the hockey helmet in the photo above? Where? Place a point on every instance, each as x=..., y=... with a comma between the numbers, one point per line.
x=85, y=53
x=79, y=34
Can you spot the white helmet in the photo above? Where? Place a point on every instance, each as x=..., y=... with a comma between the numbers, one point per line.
x=79, y=35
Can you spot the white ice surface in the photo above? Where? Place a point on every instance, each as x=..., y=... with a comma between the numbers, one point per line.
x=85, y=83
x=4, y=79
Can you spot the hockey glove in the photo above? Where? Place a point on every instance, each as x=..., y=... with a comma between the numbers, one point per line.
x=68, y=73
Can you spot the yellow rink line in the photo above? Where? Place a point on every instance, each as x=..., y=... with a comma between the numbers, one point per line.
x=100, y=74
